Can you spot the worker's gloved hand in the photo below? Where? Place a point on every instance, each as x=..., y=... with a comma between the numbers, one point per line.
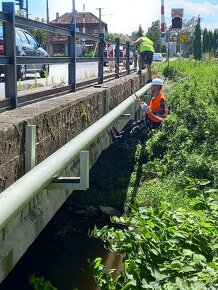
x=145, y=108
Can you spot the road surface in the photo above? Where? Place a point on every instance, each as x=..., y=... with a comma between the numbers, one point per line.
x=58, y=74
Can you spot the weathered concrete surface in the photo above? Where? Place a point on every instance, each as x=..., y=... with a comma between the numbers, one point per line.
x=57, y=121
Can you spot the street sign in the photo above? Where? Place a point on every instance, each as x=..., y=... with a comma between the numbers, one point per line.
x=183, y=37
x=177, y=15
x=178, y=12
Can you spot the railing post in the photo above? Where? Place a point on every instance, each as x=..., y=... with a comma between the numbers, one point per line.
x=101, y=56
x=107, y=101
x=74, y=183
x=30, y=147
x=135, y=59
x=72, y=54
x=10, y=50
x=127, y=61
x=117, y=57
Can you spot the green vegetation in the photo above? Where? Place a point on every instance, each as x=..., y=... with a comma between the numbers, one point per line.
x=164, y=247
x=197, y=45
x=168, y=238
x=39, y=283
x=35, y=81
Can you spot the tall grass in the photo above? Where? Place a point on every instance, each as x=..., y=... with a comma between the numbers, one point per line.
x=169, y=240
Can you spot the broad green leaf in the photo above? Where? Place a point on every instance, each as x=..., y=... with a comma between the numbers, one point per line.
x=198, y=258
x=187, y=252
x=187, y=269
x=215, y=246
x=176, y=265
x=151, y=224
x=158, y=276
x=155, y=252
x=199, y=206
x=129, y=285
x=213, y=265
x=212, y=190
x=204, y=182
x=181, y=284
x=147, y=235
x=179, y=235
x=144, y=284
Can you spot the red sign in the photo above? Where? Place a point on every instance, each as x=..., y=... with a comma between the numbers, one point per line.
x=110, y=50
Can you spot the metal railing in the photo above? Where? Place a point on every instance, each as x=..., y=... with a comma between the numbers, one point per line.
x=16, y=197
x=11, y=60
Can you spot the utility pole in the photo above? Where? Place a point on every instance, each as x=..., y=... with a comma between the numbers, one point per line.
x=47, y=12
x=84, y=24
x=74, y=12
x=84, y=20
x=99, y=9
x=27, y=11
x=163, y=30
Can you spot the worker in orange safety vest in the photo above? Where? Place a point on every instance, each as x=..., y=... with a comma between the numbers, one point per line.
x=155, y=113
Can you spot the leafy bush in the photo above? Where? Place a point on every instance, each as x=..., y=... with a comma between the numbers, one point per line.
x=191, y=129
x=39, y=283
x=169, y=240
x=171, y=72
x=164, y=247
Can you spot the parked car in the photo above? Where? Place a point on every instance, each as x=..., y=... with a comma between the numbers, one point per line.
x=158, y=57
x=26, y=45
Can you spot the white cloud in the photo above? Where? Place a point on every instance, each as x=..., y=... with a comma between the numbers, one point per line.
x=207, y=11
x=193, y=8
x=125, y=16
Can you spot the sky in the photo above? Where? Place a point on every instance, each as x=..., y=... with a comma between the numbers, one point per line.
x=125, y=16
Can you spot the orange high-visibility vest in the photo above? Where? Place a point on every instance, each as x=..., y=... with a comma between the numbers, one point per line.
x=155, y=107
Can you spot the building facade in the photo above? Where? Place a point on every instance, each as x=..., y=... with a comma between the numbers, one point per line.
x=86, y=22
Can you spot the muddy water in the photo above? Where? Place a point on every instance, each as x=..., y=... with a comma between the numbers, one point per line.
x=62, y=250
x=62, y=257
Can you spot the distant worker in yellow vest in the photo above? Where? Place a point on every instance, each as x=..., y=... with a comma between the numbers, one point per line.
x=146, y=51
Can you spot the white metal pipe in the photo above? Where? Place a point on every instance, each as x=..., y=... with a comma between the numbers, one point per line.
x=21, y=192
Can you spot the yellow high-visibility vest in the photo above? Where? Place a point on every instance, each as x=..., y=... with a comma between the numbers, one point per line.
x=146, y=44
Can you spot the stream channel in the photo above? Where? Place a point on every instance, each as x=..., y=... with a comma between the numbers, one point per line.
x=62, y=251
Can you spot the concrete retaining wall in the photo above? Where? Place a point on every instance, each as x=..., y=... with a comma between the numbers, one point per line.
x=57, y=121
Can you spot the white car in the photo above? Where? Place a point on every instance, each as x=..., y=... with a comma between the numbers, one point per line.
x=158, y=57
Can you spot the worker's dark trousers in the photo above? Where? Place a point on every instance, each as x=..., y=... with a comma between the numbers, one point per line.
x=136, y=128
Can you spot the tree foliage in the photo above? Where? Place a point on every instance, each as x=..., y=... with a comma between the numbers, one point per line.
x=140, y=31
x=197, y=48
x=165, y=246
x=207, y=43
x=134, y=35
x=204, y=40
x=215, y=40
x=188, y=29
x=40, y=35
x=210, y=41
x=154, y=33
x=113, y=36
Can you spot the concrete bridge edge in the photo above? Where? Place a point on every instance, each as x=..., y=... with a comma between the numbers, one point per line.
x=21, y=232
